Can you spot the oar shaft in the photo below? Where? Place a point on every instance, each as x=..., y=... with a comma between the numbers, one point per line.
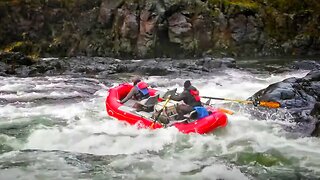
x=239, y=101
x=158, y=115
x=225, y=99
x=163, y=107
x=213, y=98
x=269, y=104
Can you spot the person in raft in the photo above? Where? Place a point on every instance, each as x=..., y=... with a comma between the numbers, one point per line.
x=190, y=97
x=138, y=92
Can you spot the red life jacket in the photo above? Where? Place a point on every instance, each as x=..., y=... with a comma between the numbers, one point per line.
x=195, y=94
x=142, y=85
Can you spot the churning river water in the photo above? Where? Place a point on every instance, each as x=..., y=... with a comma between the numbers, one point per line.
x=57, y=128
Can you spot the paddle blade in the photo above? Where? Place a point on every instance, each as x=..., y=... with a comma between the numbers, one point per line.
x=270, y=104
x=152, y=125
x=226, y=111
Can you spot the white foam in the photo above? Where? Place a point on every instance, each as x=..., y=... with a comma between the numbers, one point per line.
x=88, y=129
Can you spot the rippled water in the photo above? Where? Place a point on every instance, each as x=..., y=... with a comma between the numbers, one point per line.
x=57, y=128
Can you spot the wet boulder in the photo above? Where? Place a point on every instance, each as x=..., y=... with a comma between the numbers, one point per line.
x=16, y=58
x=104, y=66
x=300, y=101
x=15, y=63
x=154, y=67
x=305, y=65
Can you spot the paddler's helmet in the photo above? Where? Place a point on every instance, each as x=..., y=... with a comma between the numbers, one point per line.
x=187, y=84
x=135, y=80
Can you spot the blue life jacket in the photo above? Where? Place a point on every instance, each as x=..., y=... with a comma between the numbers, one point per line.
x=201, y=111
x=143, y=90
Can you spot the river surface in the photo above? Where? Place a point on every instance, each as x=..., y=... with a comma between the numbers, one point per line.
x=57, y=128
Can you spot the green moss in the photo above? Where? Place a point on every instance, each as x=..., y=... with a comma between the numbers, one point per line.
x=13, y=46
x=245, y=4
x=284, y=6
x=233, y=7
x=248, y=4
x=30, y=49
x=288, y=6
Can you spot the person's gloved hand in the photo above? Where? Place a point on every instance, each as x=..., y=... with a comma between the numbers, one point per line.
x=256, y=103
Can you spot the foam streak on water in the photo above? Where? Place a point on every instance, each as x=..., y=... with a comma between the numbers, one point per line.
x=57, y=128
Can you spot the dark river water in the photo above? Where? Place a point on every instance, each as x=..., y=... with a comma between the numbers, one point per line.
x=57, y=128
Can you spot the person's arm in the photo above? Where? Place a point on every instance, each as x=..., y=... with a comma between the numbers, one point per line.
x=129, y=95
x=178, y=97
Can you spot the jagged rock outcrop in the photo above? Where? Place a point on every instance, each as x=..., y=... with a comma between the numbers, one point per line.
x=299, y=98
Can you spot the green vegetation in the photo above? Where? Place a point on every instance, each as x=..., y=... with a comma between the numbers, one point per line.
x=284, y=6
x=282, y=19
x=246, y=4
x=32, y=50
x=13, y=46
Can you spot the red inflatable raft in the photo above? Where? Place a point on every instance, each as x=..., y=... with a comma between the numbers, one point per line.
x=126, y=112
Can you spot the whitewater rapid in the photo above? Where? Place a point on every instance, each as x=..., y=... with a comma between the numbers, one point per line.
x=57, y=128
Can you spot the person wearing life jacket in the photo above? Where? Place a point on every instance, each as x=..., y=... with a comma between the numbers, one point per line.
x=190, y=97
x=138, y=92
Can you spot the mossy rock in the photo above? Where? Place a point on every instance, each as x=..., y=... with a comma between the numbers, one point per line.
x=16, y=58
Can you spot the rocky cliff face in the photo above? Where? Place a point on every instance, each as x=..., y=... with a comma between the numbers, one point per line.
x=160, y=28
